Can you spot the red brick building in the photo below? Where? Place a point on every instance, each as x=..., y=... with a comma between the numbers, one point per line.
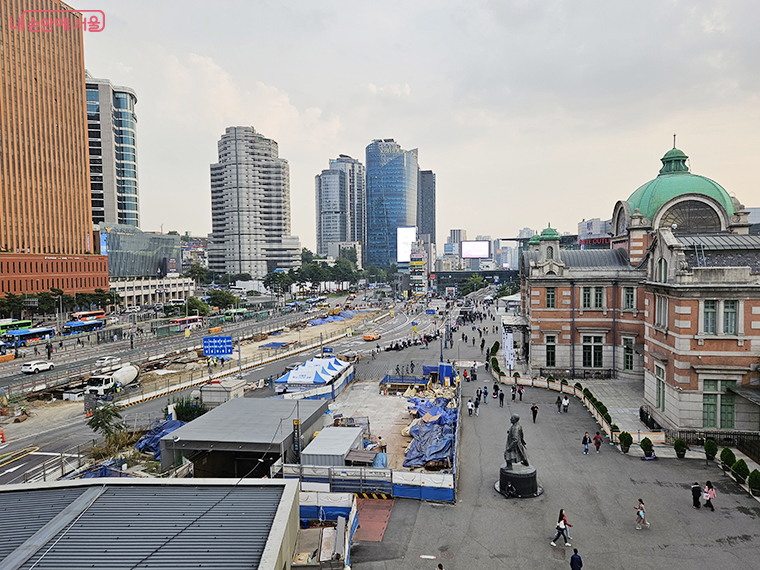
x=674, y=302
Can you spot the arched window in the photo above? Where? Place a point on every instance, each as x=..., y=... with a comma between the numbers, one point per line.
x=549, y=252
x=691, y=216
x=662, y=271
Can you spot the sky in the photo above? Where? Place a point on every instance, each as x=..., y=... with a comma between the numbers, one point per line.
x=529, y=112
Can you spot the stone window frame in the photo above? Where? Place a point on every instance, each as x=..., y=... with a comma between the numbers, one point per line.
x=660, y=376
x=553, y=291
x=720, y=319
x=624, y=292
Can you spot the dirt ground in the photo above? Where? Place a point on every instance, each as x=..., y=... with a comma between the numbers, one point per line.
x=44, y=417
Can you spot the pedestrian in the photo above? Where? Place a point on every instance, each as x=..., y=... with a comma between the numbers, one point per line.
x=485, y=395
x=709, y=495
x=575, y=560
x=641, y=515
x=585, y=441
x=597, y=441
x=440, y=566
x=478, y=394
x=565, y=404
x=501, y=398
x=562, y=526
x=477, y=406
x=514, y=391
x=470, y=407
x=520, y=390
x=559, y=405
x=534, y=411
x=381, y=444
x=696, y=494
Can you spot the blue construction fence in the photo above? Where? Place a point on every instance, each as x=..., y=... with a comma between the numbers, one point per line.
x=371, y=481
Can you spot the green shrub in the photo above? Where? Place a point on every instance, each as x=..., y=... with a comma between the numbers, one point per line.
x=578, y=385
x=550, y=378
x=495, y=348
x=614, y=427
x=587, y=392
x=679, y=445
x=516, y=375
x=607, y=418
x=625, y=439
x=646, y=445
x=563, y=382
x=711, y=448
x=740, y=468
x=727, y=457
x=601, y=407
x=754, y=479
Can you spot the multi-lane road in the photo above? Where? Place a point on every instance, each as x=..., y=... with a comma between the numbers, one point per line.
x=54, y=439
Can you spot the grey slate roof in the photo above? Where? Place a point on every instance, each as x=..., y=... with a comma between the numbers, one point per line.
x=722, y=250
x=160, y=525
x=589, y=258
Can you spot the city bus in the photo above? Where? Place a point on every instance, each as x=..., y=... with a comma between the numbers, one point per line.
x=231, y=314
x=22, y=336
x=178, y=325
x=88, y=315
x=78, y=327
x=13, y=324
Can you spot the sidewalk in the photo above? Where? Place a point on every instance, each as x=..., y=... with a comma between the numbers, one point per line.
x=598, y=491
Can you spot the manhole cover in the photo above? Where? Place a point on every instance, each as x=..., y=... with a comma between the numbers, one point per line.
x=447, y=554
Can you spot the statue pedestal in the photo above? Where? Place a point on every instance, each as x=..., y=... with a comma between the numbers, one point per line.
x=522, y=478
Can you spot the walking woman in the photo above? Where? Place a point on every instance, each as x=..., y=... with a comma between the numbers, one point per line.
x=709, y=495
x=562, y=526
x=559, y=405
x=641, y=515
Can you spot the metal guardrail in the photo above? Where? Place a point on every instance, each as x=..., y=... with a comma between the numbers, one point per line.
x=748, y=442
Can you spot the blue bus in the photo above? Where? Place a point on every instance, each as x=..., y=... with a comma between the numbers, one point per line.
x=22, y=336
x=78, y=327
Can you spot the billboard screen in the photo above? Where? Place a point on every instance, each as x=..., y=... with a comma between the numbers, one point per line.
x=475, y=250
x=405, y=237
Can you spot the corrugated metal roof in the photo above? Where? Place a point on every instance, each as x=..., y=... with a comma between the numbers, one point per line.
x=251, y=421
x=720, y=241
x=223, y=527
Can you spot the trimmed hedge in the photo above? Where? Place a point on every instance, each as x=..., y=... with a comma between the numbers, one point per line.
x=727, y=457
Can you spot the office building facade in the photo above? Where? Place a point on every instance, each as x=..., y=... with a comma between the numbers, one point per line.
x=112, y=137
x=250, y=207
x=134, y=253
x=391, y=198
x=46, y=231
x=426, y=203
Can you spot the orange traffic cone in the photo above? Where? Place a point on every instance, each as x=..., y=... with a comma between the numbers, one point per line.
x=2, y=436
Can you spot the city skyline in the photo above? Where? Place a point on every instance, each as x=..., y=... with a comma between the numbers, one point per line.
x=582, y=130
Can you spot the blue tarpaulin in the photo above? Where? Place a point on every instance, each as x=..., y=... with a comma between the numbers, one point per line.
x=273, y=345
x=432, y=442
x=151, y=441
x=381, y=461
x=428, y=370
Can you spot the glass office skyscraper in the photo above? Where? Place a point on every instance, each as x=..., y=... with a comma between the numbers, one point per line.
x=112, y=132
x=426, y=204
x=391, y=198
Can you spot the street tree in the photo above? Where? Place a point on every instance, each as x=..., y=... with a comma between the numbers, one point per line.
x=105, y=420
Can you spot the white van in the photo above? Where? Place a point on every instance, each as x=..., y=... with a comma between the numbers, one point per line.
x=132, y=309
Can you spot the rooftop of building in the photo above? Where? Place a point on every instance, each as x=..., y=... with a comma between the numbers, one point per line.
x=675, y=180
x=156, y=523
x=614, y=259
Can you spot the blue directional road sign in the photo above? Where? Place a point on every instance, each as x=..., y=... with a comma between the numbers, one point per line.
x=430, y=311
x=327, y=350
x=217, y=345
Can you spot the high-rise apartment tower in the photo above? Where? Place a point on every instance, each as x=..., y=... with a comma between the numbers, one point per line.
x=340, y=203
x=250, y=207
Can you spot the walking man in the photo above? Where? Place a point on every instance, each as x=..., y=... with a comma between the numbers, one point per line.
x=575, y=560
x=534, y=411
x=470, y=407
x=514, y=391
x=501, y=400
x=477, y=406
x=485, y=395
x=696, y=495
x=586, y=440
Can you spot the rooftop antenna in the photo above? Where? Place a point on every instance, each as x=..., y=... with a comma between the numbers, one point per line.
x=674, y=140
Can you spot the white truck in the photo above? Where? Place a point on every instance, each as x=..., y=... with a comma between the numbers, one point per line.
x=103, y=384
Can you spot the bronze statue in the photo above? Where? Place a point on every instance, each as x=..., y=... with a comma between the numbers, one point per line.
x=515, y=451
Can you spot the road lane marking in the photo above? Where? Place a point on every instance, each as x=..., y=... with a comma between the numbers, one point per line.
x=31, y=450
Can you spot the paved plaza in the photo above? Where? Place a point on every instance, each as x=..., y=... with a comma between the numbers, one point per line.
x=598, y=491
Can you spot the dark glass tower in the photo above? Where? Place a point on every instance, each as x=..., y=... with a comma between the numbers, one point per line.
x=391, y=198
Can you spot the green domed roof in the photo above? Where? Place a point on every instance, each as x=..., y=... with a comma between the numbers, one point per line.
x=675, y=180
x=549, y=234
x=533, y=240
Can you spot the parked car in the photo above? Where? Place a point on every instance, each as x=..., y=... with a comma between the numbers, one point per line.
x=35, y=366
x=107, y=361
x=113, y=320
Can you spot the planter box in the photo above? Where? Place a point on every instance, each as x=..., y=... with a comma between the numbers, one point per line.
x=755, y=492
x=680, y=454
x=625, y=448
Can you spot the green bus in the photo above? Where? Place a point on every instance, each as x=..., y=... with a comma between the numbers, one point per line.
x=13, y=325
x=231, y=314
